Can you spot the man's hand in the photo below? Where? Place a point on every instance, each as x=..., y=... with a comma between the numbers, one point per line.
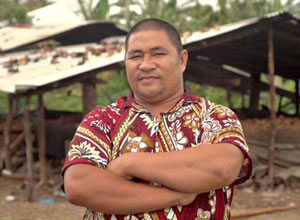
x=120, y=165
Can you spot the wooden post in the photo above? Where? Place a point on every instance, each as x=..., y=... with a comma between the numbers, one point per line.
x=243, y=101
x=229, y=97
x=271, y=67
x=297, y=98
x=42, y=140
x=6, y=133
x=279, y=105
x=29, y=157
x=254, y=95
x=89, y=95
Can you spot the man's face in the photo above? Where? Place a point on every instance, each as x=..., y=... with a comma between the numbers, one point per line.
x=154, y=66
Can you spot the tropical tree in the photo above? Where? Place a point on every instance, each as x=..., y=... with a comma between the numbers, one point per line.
x=184, y=16
x=99, y=12
x=15, y=11
x=235, y=10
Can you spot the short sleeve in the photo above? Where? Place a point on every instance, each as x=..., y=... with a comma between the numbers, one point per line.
x=91, y=143
x=221, y=125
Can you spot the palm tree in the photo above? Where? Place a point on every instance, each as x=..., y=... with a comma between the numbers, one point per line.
x=99, y=12
x=185, y=17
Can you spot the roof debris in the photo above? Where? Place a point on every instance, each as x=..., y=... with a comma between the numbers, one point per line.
x=49, y=60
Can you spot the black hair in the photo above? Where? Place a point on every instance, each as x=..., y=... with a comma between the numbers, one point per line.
x=157, y=24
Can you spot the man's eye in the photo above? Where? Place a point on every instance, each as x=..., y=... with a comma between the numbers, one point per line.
x=159, y=54
x=135, y=57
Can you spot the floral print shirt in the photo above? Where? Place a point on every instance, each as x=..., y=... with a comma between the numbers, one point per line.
x=124, y=126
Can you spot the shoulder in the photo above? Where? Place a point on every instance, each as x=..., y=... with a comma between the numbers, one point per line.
x=208, y=108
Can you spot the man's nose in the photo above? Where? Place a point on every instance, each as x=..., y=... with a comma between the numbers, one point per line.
x=147, y=64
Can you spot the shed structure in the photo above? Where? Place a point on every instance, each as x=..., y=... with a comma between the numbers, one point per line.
x=244, y=46
x=232, y=56
x=26, y=71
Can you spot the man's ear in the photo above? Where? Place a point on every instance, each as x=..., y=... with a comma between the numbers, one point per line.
x=183, y=59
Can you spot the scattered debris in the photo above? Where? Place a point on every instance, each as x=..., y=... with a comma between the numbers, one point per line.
x=286, y=155
x=10, y=198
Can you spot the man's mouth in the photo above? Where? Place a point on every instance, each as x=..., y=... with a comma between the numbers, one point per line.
x=147, y=77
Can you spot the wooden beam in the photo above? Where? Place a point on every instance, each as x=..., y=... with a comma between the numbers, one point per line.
x=214, y=74
x=235, y=48
x=29, y=157
x=214, y=70
x=252, y=212
x=271, y=67
x=288, y=37
x=297, y=97
x=89, y=94
x=254, y=91
x=229, y=97
x=6, y=133
x=42, y=141
x=237, y=62
x=248, y=63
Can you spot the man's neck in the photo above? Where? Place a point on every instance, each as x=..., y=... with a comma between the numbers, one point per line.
x=155, y=108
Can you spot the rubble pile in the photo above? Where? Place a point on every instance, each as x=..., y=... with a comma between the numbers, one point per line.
x=286, y=155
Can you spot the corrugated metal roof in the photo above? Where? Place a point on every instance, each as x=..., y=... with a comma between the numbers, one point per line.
x=219, y=30
x=12, y=38
x=60, y=12
x=29, y=70
x=43, y=68
x=244, y=44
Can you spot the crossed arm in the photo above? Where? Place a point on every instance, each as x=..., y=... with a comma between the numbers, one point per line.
x=184, y=174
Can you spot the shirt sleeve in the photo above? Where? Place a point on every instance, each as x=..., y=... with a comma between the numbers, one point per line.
x=91, y=143
x=221, y=125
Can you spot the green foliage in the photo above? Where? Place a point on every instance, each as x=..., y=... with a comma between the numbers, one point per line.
x=3, y=102
x=189, y=16
x=18, y=15
x=99, y=12
x=117, y=85
x=235, y=10
x=64, y=99
x=214, y=94
x=15, y=11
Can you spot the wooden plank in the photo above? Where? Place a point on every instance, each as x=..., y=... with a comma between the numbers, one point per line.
x=29, y=156
x=247, y=213
x=271, y=67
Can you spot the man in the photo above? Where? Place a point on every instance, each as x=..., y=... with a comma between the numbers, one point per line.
x=159, y=153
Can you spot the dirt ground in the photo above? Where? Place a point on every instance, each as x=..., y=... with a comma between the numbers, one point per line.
x=59, y=209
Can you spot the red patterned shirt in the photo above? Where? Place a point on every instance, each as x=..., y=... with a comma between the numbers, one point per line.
x=124, y=126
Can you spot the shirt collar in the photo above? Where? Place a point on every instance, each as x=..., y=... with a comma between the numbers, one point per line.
x=185, y=99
